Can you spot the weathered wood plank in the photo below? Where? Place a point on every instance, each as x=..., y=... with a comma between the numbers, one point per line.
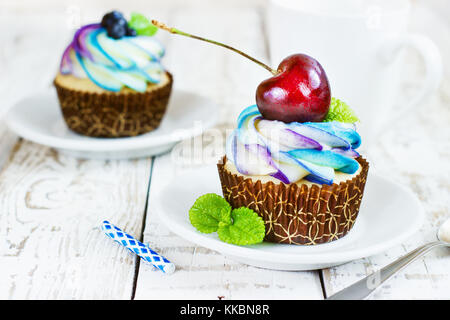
x=50, y=204
x=51, y=207
x=229, y=80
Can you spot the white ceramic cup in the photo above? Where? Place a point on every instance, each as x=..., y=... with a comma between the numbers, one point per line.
x=358, y=43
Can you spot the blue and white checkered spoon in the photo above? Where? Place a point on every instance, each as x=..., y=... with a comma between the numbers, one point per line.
x=138, y=247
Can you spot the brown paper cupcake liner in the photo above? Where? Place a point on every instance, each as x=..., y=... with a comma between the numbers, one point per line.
x=111, y=114
x=298, y=214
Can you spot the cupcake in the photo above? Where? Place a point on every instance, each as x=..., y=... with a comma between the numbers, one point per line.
x=291, y=163
x=111, y=82
x=304, y=178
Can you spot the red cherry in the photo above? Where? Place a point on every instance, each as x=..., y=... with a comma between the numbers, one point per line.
x=300, y=92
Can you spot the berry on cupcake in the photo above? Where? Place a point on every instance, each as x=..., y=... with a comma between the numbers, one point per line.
x=111, y=82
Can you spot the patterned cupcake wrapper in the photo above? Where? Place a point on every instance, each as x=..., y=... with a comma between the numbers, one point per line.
x=298, y=214
x=111, y=114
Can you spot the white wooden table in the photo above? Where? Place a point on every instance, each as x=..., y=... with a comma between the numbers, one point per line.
x=51, y=205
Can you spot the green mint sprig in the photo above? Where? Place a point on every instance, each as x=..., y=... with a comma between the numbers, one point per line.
x=142, y=25
x=212, y=213
x=247, y=228
x=340, y=111
x=208, y=211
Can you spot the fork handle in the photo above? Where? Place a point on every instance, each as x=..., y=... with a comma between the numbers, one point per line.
x=362, y=288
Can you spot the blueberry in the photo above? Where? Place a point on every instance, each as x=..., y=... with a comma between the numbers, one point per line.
x=116, y=15
x=116, y=31
x=115, y=24
x=122, y=22
x=111, y=18
x=107, y=22
x=131, y=32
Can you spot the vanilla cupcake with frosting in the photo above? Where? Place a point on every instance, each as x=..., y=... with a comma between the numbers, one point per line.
x=306, y=180
x=111, y=82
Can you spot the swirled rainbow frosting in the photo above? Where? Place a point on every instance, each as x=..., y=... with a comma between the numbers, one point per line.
x=113, y=63
x=292, y=151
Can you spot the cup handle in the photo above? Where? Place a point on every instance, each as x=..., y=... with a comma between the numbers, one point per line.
x=433, y=69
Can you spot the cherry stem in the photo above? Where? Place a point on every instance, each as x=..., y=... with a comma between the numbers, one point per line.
x=176, y=31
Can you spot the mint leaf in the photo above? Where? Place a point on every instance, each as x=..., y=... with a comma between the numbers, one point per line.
x=341, y=112
x=247, y=228
x=142, y=25
x=242, y=226
x=208, y=211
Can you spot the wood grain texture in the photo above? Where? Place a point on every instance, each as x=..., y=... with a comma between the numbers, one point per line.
x=229, y=80
x=51, y=205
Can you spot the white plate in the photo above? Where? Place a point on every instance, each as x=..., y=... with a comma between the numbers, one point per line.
x=38, y=118
x=389, y=214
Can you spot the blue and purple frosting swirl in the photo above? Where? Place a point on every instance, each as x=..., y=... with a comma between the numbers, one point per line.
x=113, y=63
x=293, y=151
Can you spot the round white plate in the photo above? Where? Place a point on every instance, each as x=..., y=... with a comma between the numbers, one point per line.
x=389, y=214
x=38, y=118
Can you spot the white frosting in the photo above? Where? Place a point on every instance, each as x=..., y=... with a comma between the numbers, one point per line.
x=339, y=177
